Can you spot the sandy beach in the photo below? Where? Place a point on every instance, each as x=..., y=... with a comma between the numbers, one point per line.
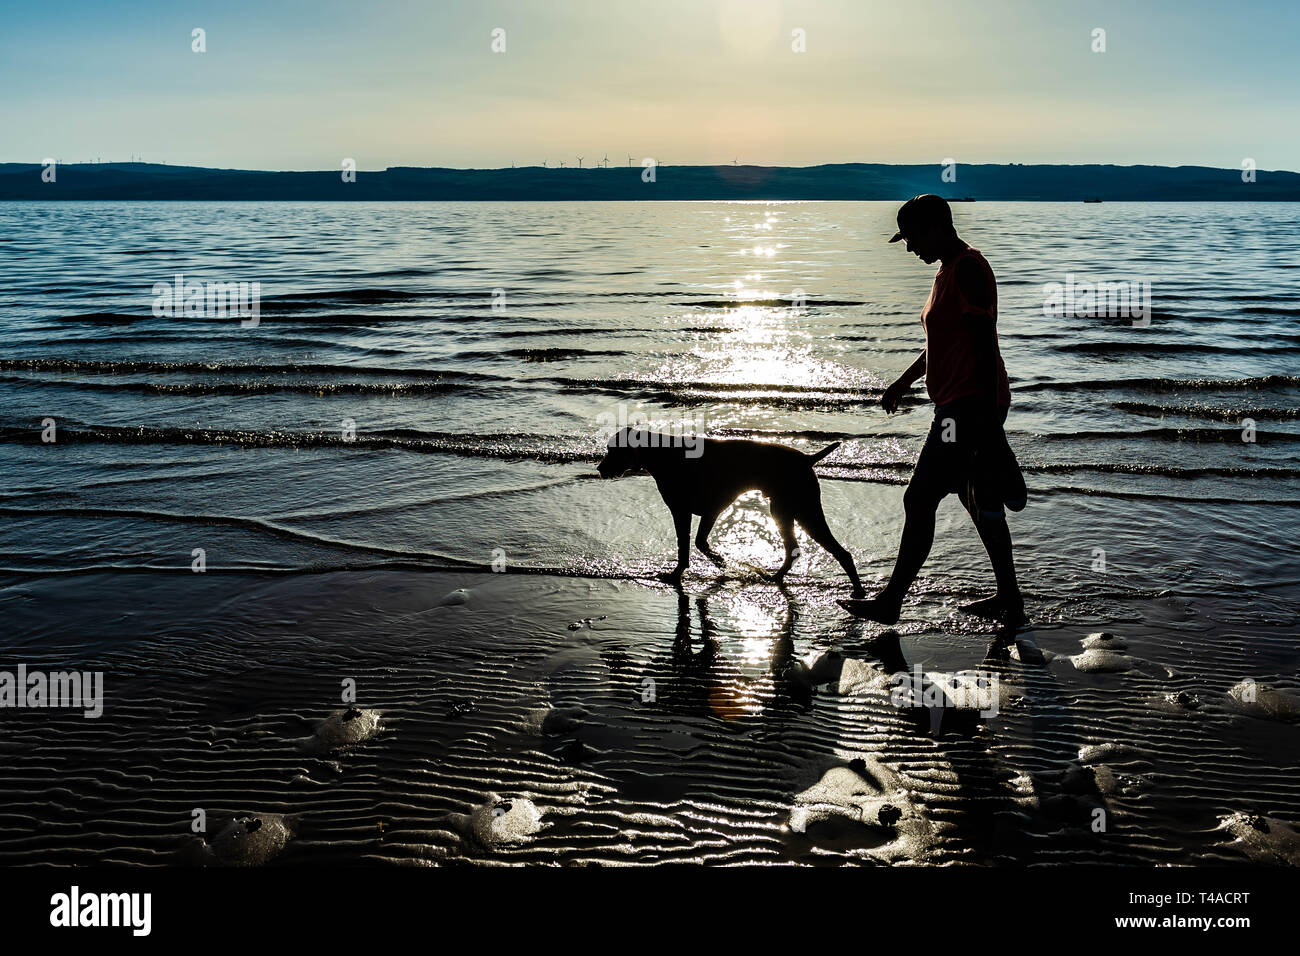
x=511, y=718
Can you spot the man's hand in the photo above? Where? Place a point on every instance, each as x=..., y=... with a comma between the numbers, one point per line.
x=893, y=395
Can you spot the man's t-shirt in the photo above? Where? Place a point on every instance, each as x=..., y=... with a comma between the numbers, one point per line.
x=950, y=354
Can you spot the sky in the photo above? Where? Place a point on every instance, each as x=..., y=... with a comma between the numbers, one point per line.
x=304, y=84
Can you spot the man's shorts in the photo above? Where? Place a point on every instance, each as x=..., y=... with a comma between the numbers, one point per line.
x=966, y=453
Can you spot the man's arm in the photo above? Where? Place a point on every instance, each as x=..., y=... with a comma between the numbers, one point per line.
x=889, y=401
x=974, y=286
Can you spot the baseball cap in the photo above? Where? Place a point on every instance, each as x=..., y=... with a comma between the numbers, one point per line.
x=924, y=210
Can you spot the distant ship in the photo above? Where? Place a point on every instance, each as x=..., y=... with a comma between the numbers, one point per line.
x=1093, y=199
x=963, y=199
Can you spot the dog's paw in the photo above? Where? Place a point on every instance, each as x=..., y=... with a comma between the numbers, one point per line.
x=859, y=593
x=670, y=577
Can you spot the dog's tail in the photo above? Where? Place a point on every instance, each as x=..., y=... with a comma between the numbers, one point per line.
x=813, y=459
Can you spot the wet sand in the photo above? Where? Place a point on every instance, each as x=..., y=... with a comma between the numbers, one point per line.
x=508, y=718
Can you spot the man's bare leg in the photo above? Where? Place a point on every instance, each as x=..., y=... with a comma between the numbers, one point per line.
x=913, y=549
x=1007, y=605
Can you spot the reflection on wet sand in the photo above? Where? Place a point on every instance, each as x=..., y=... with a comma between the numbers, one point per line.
x=931, y=783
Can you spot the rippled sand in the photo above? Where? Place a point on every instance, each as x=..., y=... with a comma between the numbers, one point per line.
x=729, y=723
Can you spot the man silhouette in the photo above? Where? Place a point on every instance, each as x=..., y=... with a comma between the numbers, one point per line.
x=966, y=451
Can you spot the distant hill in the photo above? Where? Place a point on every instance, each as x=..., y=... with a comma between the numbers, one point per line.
x=120, y=181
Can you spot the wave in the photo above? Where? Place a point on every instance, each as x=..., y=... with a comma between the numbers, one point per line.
x=1162, y=471
x=1273, y=310
x=1164, y=496
x=297, y=314
x=810, y=303
x=684, y=398
x=1166, y=434
x=553, y=354
x=873, y=392
x=248, y=378
x=368, y=296
x=102, y=318
x=1211, y=412
x=506, y=446
x=722, y=388
x=561, y=330
x=258, y=388
x=865, y=472
x=1169, y=348
x=1258, y=383
x=120, y=367
x=232, y=521
x=550, y=449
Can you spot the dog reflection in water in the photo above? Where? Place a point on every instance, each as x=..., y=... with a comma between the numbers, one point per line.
x=703, y=476
x=700, y=679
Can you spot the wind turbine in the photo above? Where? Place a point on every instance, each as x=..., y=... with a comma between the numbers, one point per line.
x=606, y=162
x=579, y=162
x=629, y=159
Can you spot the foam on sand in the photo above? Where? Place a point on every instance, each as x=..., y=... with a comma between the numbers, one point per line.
x=1103, y=653
x=1104, y=640
x=1263, y=839
x=1260, y=700
x=248, y=840
x=503, y=820
x=1110, y=752
x=866, y=792
x=341, y=730
x=455, y=598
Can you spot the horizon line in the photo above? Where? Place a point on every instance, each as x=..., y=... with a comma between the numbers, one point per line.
x=614, y=166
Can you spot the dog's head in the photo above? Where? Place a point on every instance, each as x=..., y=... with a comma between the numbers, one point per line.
x=622, y=454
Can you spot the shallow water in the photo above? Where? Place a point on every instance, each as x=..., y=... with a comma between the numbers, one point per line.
x=477, y=430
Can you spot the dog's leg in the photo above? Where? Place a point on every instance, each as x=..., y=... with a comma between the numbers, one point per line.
x=785, y=524
x=814, y=522
x=702, y=538
x=682, y=524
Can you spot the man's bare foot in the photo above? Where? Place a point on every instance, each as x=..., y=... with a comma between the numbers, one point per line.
x=985, y=607
x=1001, y=609
x=873, y=609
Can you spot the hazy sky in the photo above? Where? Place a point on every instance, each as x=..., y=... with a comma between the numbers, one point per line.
x=292, y=84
